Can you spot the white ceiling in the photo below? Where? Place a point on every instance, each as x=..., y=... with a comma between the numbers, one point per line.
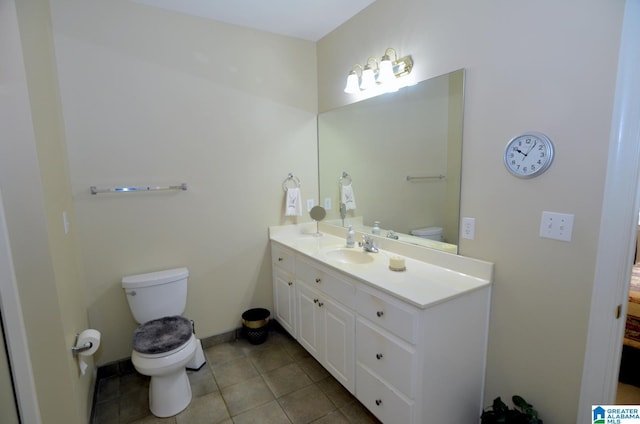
x=306, y=19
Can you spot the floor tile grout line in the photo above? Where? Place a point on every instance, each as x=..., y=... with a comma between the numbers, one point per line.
x=281, y=346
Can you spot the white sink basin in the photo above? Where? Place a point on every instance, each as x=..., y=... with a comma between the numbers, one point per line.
x=349, y=256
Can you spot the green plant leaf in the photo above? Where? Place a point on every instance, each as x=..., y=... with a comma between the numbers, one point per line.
x=521, y=403
x=500, y=413
x=499, y=406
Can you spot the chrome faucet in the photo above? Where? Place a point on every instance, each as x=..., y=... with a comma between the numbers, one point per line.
x=368, y=244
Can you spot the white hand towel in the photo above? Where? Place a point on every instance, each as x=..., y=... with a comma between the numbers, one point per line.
x=294, y=205
x=347, y=197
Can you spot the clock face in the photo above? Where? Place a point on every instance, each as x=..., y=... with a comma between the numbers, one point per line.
x=528, y=155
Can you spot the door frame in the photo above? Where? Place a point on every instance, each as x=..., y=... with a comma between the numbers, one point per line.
x=15, y=333
x=618, y=226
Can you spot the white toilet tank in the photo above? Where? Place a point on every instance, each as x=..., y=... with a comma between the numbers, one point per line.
x=432, y=233
x=156, y=294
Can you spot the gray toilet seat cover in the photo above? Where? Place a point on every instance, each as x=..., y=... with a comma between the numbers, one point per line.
x=162, y=335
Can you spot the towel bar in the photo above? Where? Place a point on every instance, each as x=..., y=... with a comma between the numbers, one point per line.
x=95, y=190
x=429, y=177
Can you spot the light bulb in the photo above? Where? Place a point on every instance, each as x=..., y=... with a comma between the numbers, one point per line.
x=352, y=83
x=386, y=74
x=368, y=79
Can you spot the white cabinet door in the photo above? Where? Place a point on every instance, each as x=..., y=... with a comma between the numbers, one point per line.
x=285, y=301
x=339, y=345
x=327, y=331
x=310, y=323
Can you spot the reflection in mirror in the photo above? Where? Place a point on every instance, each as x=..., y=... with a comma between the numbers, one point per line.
x=402, y=152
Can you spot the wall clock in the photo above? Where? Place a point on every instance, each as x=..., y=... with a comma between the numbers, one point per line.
x=528, y=155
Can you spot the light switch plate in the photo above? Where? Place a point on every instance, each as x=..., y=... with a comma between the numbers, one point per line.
x=557, y=226
x=327, y=203
x=310, y=204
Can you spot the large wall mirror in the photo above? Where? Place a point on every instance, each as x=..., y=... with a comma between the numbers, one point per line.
x=401, y=154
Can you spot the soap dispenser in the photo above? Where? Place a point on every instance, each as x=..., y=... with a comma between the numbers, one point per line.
x=351, y=237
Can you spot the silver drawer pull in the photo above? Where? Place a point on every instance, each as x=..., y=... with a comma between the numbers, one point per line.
x=379, y=356
x=379, y=313
x=378, y=402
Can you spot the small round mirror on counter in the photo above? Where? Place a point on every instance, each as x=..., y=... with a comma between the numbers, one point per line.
x=317, y=214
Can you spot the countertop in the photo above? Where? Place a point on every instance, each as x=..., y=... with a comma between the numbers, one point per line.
x=424, y=283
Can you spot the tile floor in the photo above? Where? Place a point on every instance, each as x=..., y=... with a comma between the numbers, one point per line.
x=276, y=382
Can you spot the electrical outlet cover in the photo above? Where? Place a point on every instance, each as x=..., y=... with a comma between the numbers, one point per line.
x=468, y=228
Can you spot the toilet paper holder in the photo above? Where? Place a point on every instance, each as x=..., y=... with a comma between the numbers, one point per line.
x=77, y=349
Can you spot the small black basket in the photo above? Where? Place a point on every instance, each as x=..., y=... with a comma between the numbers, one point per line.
x=255, y=324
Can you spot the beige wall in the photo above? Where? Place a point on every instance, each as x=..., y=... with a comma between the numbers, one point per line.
x=36, y=190
x=154, y=97
x=536, y=66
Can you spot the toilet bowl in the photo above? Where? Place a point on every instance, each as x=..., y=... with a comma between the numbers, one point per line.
x=164, y=344
x=431, y=233
x=169, y=388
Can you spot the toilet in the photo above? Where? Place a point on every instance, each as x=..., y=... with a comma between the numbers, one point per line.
x=432, y=233
x=164, y=345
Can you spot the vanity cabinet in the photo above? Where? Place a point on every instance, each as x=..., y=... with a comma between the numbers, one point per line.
x=406, y=364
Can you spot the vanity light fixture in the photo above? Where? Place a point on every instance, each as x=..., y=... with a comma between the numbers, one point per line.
x=385, y=75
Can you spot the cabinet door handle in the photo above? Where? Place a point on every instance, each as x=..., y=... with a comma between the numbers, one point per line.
x=290, y=283
x=280, y=259
x=320, y=305
x=315, y=300
x=379, y=356
x=378, y=402
x=318, y=280
x=379, y=313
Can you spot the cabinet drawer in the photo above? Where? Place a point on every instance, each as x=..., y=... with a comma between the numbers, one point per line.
x=326, y=282
x=283, y=258
x=387, y=312
x=383, y=401
x=390, y=358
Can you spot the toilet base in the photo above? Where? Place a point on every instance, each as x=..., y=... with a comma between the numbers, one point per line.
x=169, y=394
x=198, y=359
